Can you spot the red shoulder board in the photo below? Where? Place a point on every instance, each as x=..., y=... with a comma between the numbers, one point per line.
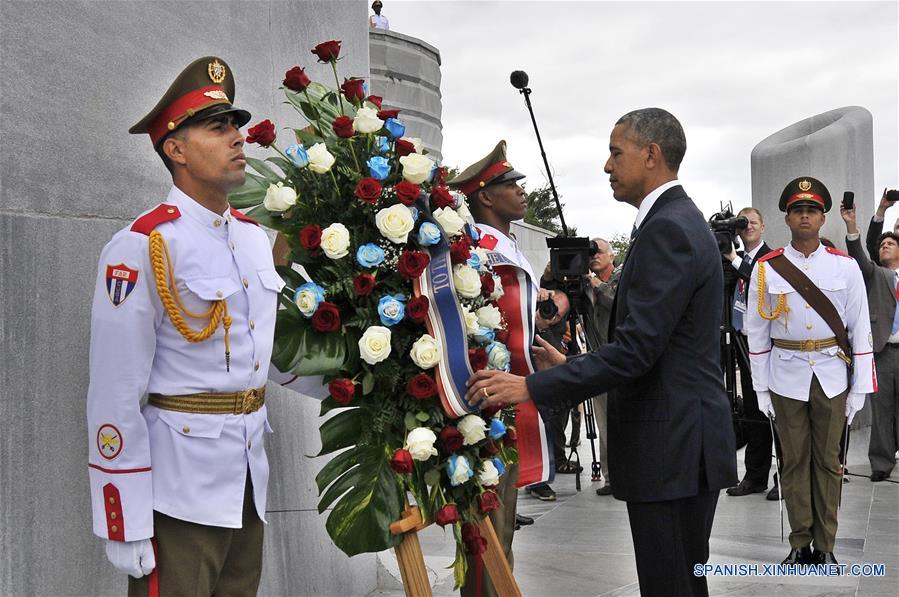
x=773, y=253
x=243, y=217
x=149, y=221
x=833, y=251
x=488, y=241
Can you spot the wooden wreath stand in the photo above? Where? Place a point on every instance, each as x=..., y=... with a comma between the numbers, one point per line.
x=412, y=562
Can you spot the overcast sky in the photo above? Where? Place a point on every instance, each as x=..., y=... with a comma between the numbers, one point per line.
x=732, y=72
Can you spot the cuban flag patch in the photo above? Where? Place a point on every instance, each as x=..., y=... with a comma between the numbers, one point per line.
x=120, y=281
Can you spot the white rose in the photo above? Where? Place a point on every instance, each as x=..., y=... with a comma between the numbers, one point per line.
x=320, y=159
x=335, y=241
x=420, y=443
x=488, y=475
x=415, y=141
x=498, y=357
x=367, y=121
x=461, y=472
x=395, y=223
x=464, y=212
x=425, y=352
x=489, y=317
x=473, y=429
x=449, y=220
x=467, y=281
x=497, y=289
x=374, y=345
x=471, y=321
x=306, y=302
x=279, y=198
x=416, y=167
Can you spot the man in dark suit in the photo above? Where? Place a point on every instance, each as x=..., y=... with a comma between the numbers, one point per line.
x=872, y=239
x=757, y=429
x=671, y=442
x=883, y=293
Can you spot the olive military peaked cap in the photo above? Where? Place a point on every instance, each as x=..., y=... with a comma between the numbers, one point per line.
x=493, y=169
x=204, y=89
x=805, y=191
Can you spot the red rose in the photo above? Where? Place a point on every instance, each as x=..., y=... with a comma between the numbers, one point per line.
x=343, y=127
x=263, y=133
x=460, y=252
x=417, y=308
x=478, y=358
x=376, y=100
x=407, y=192
x=440, y=175
x=385, y=114
x=296, y=80
x=401, y=461
x=422, y=386
x=449, y=514
x=487, y=284
x=369, y=190
x=353, y=89
x=327, y=318
x=342, y=390
x=511, y=437
x=440, y=197
x=327, y=50
x=311, y=237
x=471, y=536
x=363, y=284
x=403, y=147
x=488, y=501
x=489, y=449
x=502, y=336
x=451, y=439
x=412, y=263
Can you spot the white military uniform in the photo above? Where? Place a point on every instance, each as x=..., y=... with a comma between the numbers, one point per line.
x=188, y=466
x=789, y=372
x=509, y=249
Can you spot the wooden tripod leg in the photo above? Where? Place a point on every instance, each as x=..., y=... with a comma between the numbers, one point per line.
x=408, y=554
x=497, y=565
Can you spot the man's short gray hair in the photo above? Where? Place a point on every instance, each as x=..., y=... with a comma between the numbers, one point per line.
x=655, y=125
x=599, y=239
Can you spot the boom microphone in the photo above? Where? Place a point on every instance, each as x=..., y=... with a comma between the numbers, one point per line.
x=519, y=79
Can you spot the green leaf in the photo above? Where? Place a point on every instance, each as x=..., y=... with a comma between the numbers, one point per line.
x=306, y=138
x=410, y=421
x=368, y=383
x=264, y=170
x=280, y=162
x=250, y=194
x=336, y=467
x=302, y=350
x=309, y=111
x=432, y=477
x=422, y=416
x=341, y=430
x=266, y=218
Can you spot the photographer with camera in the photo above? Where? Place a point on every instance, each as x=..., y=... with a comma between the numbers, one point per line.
x=872, y=239
x=757, y=432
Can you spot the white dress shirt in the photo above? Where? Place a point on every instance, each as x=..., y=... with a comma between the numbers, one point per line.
x=651, y=199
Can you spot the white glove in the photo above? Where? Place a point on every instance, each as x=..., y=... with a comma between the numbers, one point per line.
x=764, y=400
x=132, y=557
x=854, y=403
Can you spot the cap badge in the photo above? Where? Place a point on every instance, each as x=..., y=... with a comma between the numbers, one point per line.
x=216, y=71
x=804, y=185
x=217, y=94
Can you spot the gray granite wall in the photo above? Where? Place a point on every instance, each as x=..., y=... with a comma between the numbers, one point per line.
x=74, y=77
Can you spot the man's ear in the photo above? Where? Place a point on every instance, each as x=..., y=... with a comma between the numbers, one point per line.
x=483, y=199
x=173, y=147
x=654, y=155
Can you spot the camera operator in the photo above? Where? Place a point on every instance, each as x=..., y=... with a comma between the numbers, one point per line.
x=872, y=239
x=757, y=432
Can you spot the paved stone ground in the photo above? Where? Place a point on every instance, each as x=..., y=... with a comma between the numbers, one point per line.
x=580, y=545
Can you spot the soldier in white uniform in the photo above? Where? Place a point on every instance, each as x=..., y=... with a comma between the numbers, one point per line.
x=799, y=371
x=184, y=312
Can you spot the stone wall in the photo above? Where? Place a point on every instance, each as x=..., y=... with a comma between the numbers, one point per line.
x=75, y=76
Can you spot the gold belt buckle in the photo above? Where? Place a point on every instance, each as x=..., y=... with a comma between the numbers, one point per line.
x=249, y=402
x=808, y=346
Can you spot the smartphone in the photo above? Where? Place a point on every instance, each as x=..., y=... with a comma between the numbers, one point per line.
x=848, y=200
x=893, y=196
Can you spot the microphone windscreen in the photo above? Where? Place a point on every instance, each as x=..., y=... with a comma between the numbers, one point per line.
x=519, y=79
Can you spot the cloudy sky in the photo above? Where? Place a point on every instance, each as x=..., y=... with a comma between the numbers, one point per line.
x=732, y=72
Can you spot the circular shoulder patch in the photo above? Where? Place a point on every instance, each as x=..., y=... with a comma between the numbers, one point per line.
x=109, y=441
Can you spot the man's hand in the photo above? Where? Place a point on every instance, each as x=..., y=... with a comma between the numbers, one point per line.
x=854, y=403
x=765, y=405
x=884, y=205
x=544, y=295
x=732, y=254
x=135, y=558
x=848, y=216
x=489, y=387
x=545, y=355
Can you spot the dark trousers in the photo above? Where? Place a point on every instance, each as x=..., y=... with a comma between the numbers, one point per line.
x=194, y=560
x=670, y=538
x=757, y=431
x=885, y=412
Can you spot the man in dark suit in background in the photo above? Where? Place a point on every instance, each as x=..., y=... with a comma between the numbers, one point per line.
x=872, y=239
x=671, y=442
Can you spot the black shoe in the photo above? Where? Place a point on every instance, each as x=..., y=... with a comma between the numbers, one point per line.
x=745, y=488
x=543, y=492
x=802, y=555
x=523, y=520
x=568, y=468
x=878, y=476
x=605, y=489
x=824, y=557
x=774, y=494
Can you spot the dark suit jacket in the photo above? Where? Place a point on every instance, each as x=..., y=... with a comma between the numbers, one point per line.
x=875, y=229
x=745, y=269
x=881, y=293
x=670, y=429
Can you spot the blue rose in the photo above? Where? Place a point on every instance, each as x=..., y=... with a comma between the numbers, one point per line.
x=383, y=144
x=458, y=470
x=499, y=357
x=473, y=233
x=484, y=335
x=497, y=429
x=429, y=234
x=378, y=167
x=370, y=255
x=500, y=467
x=297, y=155
x=395, y=128
x=474, y=261
x=391, y=309
x=307, y=297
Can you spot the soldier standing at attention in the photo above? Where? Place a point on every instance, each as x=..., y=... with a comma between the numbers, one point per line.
x=184, y=311
x=812, y=363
